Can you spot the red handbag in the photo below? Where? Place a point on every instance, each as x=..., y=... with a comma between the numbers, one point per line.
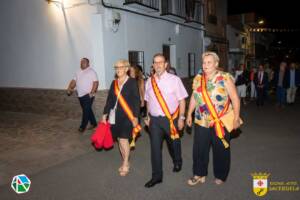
x=102, y=137
x=108, y=139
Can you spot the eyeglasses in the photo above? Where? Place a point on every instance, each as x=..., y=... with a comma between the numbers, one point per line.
x=160, y=62
x=119, y=67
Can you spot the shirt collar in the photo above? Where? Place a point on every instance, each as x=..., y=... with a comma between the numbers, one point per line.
x=86, y=69
x=163, y=75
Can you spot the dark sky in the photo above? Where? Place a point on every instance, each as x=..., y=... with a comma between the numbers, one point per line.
x=277, y=13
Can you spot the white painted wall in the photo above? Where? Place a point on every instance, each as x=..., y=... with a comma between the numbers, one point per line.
x=234, y=37
x=41, y=44
x=236, y=48
x=146, y=34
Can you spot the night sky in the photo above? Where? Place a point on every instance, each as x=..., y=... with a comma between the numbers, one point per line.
x=277, y=14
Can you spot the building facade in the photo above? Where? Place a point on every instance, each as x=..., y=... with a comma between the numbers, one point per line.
x=215, y=21
x=44, y=40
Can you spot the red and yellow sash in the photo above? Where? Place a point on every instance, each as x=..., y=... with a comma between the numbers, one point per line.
x=173, y=131
x=219, y=128
x=128, y=112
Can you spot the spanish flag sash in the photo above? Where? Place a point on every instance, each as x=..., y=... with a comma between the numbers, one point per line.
x=173, y=131
x=128, y=112
x=219, y=128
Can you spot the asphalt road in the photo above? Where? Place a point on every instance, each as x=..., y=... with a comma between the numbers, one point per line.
x=270, y=143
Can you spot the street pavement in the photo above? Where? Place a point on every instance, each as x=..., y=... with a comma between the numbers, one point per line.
x=62, y=165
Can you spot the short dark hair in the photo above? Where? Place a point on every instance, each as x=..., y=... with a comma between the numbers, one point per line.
x=86, y=59
x=159, y=55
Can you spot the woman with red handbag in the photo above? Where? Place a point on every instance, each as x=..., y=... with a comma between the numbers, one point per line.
x=121, y=110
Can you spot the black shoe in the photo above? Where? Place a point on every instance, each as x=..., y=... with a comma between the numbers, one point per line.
x=81, y=130
x=177, y=168
x=152, y=183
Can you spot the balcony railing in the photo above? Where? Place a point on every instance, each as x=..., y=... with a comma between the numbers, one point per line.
x=198, y=13
x=173, y=7
x=190, y=10
x=148, y=5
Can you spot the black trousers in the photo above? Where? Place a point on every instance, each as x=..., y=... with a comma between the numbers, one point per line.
x=159, y=129
x=86, y=103
x=260, y=96
x=203, y=139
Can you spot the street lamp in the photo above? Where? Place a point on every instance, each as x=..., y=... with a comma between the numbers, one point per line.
x=261, y=22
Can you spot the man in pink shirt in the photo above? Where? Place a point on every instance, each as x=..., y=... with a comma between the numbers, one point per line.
x=86, y=83
x=174, y=94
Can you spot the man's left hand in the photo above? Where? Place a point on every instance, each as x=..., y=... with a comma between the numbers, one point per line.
x=180, y=124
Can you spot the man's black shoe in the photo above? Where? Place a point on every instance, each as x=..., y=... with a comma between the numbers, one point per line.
x=152, y=183
x=177, y=168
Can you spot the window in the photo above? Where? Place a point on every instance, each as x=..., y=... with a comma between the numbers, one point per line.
x=147, y=5
x=211, y=12
x=244, y=40
x=211, y=7
x=136, y=58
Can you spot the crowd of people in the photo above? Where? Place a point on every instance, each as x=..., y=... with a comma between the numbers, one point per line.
x=159, y=101
x=258, y=83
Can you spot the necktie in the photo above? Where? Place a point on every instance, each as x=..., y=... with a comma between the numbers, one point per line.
x=260, y=77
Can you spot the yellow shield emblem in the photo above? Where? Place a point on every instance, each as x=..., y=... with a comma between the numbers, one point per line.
x=260, y=183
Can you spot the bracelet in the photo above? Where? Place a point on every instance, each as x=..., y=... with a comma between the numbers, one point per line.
x=182, y=117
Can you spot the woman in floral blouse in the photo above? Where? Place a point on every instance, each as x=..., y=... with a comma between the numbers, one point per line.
x=214, y=95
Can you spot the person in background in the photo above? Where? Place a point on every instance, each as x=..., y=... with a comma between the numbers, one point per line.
x=261, y=83
x=241, y=83
x=252, y=84
x=171, y=69
x=86, y=83
x=281, y=83
x=137, y=74
x=293, y=80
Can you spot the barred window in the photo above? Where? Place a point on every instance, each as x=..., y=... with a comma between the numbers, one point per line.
x=136, y=58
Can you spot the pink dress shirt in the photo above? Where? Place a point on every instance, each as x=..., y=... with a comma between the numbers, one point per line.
x=171, y=88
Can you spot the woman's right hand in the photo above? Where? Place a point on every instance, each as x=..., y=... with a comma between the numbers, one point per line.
x=189, y=120
x=236, y=123
x=104, y=117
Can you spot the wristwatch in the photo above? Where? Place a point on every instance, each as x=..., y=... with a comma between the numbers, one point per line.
x=182, y=117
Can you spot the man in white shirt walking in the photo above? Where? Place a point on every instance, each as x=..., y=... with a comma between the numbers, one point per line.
x=261, y=83
x=86, y=83
x=241, y=83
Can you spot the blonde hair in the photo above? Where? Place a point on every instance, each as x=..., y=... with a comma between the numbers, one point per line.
x=122, y=62
x=213, y=54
